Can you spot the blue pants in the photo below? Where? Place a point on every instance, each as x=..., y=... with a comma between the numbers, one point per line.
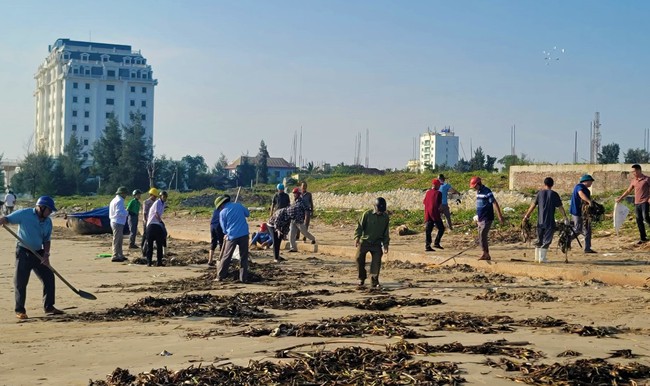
x=25, y=263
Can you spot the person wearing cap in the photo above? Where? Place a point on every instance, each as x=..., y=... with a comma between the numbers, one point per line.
x=146, y=206
x=235, y=228
x=133, y=207
x=486, y=205
x=432, y=216
x=156, y=230
x=582, y=196
x=216, y=233
x=546, y=200
x=371, y=234
x=278, y=226
x=117, y=214
x=308, y=203
x=445, y=190
x=263, y=237
x=297, y=214
x=640, y=184
x=35, y=230
x=280, y=199
x=10, y=202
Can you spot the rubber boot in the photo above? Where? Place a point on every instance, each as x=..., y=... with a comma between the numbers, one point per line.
x=537, y=254
x=542, y=255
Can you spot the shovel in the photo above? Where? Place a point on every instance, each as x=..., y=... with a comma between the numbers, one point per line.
x=83, y=294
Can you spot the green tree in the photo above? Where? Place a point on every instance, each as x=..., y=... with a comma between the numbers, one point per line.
x=463, y=166
x=219, y=173
x=609, y=154
x=510, y=160
x=478, y=161
x=195, y=174
x=70, y=168
x=636, y=156
x=245, y=172
x=106, y=153
x=36, y=175
x=489, y=163
x=136, y=151
x=261, y=168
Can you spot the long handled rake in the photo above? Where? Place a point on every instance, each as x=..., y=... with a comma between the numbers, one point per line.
x=83, y=294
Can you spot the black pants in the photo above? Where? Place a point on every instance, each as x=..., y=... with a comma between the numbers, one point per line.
x=229, y=249
x=429, y=229
x=375, y=264
x=25, y=263
x=155, y=232
x=133, y=228
x=642, y=212
x=544, y=236
x=216, y=238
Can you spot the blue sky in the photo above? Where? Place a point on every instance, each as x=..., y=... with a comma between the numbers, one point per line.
x=233, y=73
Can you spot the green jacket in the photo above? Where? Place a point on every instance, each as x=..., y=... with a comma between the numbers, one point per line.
x=372, y=229
x=133, y=206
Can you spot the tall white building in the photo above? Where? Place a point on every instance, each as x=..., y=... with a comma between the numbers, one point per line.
x=438, y=148
x=81, y=84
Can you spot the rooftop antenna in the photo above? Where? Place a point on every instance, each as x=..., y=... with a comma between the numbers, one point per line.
x=512, y=140
x=300, y=161
x=575, y=148
x=367, y=147
x=595, y=138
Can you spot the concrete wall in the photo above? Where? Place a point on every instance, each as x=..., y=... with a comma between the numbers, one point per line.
x=607, y=178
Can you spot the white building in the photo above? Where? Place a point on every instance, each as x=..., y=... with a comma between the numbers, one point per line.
x=438, y=148
x=81, y=84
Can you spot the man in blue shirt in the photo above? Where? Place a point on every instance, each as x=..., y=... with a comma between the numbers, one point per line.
x=35, y=230
x=486, y=204
x=235, y=228
x=582, y=196
x=445, y=189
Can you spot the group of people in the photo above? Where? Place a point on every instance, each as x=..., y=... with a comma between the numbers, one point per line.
x=154, y=231
x=229, y=229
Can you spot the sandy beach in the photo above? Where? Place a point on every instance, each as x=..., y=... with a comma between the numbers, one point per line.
x=606, y=292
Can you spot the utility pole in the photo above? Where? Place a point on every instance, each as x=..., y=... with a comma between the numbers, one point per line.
x=575, y=148
x=595, y=139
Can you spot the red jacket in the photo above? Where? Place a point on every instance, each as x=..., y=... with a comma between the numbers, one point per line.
x=432, y=201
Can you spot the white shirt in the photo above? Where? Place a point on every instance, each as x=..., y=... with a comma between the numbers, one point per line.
x=117, y=211
x=156, y=212
x=10, y=199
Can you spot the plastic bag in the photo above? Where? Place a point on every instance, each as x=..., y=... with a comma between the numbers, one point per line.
x=620, y=213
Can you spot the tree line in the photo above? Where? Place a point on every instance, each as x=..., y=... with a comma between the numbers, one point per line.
x=123, y=156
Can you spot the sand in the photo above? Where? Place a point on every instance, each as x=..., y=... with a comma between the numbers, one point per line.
x=595, y=290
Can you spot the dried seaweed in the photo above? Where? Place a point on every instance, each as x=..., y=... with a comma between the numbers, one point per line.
x=595, y=371
x=499, y=347
x=463, y=321
x=343, y=366
x=600, y=332
x=382, y=303
x=529, y=296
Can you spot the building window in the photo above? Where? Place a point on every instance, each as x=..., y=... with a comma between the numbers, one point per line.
x=87, y=71
x=85, y=142
x=84, y=57
x=109, y=115
x=143, y=116
x=143, y=103
x=110, y=87
x=74, y=113
x=75, y=85
x=86, y=128
x=144, y=90
x=74, y=127
x=132, y=103
x=87, y=100
x=85, y=155
x=110, y=101
x=74, y=99
x=86, y=114
x=132, y=88
x=111, y=73
x=87, y=86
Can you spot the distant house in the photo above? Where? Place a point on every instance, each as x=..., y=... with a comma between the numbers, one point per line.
x=278, y=167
